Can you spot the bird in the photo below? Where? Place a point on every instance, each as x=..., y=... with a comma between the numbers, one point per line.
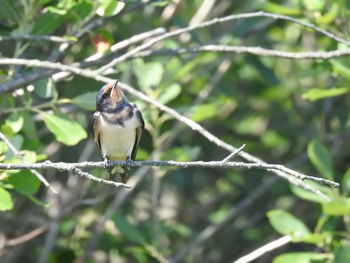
x=116, y=127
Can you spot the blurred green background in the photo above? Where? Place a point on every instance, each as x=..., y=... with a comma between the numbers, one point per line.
x=287, y=111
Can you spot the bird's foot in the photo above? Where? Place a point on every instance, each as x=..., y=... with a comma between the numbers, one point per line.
x=107, y=163
x=128, y=164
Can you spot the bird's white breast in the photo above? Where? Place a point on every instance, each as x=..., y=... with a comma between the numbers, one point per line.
x=117, y=141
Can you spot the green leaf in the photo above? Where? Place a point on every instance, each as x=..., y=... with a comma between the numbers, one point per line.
x=110, y=7
x=203, y=112
x=320, y=158
x=316, y=94
x=314, y=5
x=342, y=252
x=85, y=101
x=330, y=16
x=47, y=23
x=44, y=88
x=280, y=9
x=306, y=195
x=345, y=185
x=17, y=142
x=301, y=257
x=341, y=69
x=286, y=224
x=24, y=182
x=7, y=9
x=129, y=231
x=66, y=130
x=28, y=124
x=15, y=122
x=6, y=202
x=170, y=93
x=337, y=207
x=148, y=75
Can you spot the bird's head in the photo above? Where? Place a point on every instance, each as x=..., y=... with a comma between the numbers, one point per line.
x=109, y=97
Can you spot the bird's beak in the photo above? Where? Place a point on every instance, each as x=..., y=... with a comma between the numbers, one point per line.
x=114, y=90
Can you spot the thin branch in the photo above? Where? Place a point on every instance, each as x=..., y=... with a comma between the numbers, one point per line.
x=98, y=58
x=264, y=249
x=19, y=156
x=259, y=51
x=213, y=22
x=211, y=164
x=33, y=234
x=36, y=38
x=233, y=154
x=190, y=123
x=97, y=179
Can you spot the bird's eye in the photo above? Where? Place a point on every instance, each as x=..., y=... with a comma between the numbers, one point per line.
x=104, y=96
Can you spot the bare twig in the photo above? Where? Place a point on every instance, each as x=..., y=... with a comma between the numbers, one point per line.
x=214, y=21
x=33, y=234
x=211, y=164
x=36, y=38
x=99, y=58
x=250, y=50
x=97, y=179
x=264, y=249
x=233, y=154
x=19, y=156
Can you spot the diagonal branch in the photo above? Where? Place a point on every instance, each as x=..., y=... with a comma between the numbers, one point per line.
x=264, y=249
x=19, y=156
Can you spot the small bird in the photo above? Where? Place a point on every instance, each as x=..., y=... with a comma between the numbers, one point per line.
x=116, y=127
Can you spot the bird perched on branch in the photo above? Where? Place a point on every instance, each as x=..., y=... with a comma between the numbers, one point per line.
x=116, y=127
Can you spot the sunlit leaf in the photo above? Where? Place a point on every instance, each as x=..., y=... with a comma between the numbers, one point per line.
x=203, y=112
x=287, y=224
x=314, y=5
x=6, y=202
x=341, y=69
x=306, y=195
x=301, y=257
x=345, y=185
x=330, y=16
x=169, y=93
x=15, y=122
x=66, y=130
x=148, y=75
x=338, y=206
x=316, y=94
x=280, y=9
x=109, y=7
x=320, y=158
x=24, y=182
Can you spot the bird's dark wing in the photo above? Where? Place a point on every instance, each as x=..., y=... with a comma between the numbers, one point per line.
x=139, y=131
x=94, y=130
